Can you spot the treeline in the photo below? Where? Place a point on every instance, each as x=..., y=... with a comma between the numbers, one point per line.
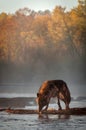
x=42, y=43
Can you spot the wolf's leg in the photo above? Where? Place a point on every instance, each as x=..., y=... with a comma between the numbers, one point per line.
x=65, y=100
x=46, y=107
x=60, y=108
x=67, y=106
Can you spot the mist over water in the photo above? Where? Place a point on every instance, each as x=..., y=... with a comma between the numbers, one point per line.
x=73, y=76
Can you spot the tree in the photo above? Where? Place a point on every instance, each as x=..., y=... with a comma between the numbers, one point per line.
x=60, y=31
x=78, y=19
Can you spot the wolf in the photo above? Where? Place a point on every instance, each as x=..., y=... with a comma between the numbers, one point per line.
x=50, y=89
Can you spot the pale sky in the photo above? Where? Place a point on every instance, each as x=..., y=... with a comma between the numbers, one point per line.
x=10, y=6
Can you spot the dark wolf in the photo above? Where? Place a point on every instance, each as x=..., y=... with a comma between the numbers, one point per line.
x=50, y=89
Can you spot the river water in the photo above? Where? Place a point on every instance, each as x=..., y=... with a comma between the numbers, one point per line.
x=43, y=122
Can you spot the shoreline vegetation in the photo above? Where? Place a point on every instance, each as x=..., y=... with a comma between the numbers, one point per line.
x=71, y=111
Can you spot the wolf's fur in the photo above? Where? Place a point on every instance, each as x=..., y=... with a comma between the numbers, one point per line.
x=53, y=88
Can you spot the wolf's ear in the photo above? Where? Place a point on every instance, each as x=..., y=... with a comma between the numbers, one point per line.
x=38, y=94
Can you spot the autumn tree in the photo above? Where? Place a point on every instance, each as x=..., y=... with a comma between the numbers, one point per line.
x=60, y=30
x=78, y=19
x=30, y=39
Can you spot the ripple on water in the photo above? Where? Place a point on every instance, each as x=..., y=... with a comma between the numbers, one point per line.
x=43, y=122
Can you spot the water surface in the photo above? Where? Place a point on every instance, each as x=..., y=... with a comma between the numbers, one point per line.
x=43, y=122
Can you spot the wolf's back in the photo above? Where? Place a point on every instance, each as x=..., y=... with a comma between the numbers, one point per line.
x=64, y=92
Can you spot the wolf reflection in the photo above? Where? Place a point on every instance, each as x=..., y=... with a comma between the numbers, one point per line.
x=59, y=116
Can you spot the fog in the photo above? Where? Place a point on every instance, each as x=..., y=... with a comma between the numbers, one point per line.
x=27, y=80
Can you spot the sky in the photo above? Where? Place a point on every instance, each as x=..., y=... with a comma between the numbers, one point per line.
x=10, y=6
